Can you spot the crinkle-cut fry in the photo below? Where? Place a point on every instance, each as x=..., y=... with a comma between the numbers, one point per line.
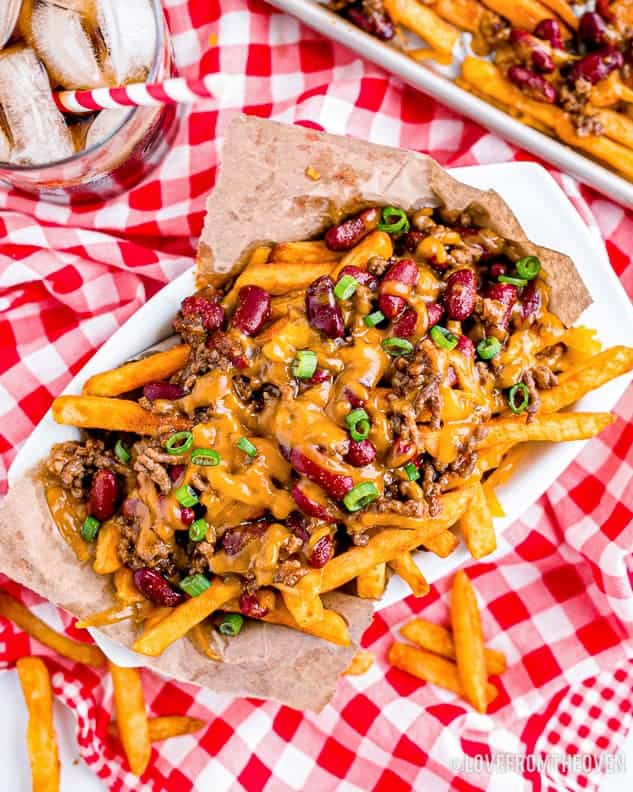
x=437, y=33
x=279, y=277
x=410, y=572
x=164, y=727
x=307, y=252
x=469, y=641
x=377, y=243
x=131, y=716
x=439, y=640
x=107, y=553
x=563, y=10
x=185, y=616
x=116, y=415
x=477, y=527
x=524, y=14
x=587, y=376
x=41, y=740
x=432, y=668
x=87, y=654
x=361, y=663
x=371, y=584
x=443, y=544
x=389, y=544
x=159, y=366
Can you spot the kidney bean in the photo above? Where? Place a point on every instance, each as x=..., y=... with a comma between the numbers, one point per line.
x=403, y=450
x=251, y=606
x=597, y=65
x=460, y=294
x=351, y=231
x=310, y=506
x=187, y=515
x=362, y=276
x=163, y=390
x=360, y=453
x=353, y=399
x=374, y=22
x=296, y=523
x=324, y=313
x=405, y=272
x=466, y=346
x=497, y=268
x=532, y=84
x=550, y=30
x=404, y=327
x=319, y=376
x=156, y=589
x=434, y=312
x=530, y=48
x=211, y=313
x=592, y=29
x=252, y=311
x=530, y=301
x=506, y=294
x=391, y=306
x=411, y=240
x=105, y=492
x=234, y=540
x=542, y=61
x=336, y=485
x=321, y=552
x=175, y=472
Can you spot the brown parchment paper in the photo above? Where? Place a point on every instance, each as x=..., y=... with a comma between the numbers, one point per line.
x=263, y=194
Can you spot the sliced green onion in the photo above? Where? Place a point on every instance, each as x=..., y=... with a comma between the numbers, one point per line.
x=373, y=319
x=231, y=624
x=358, y=424
x=198, y=530
x=194, y=585
x=394, y=220
x=488, y=348
x=90, y=529
x=413, y=474
x=396, y=347
x=205, y=457
x=305, y=364
x=346, y=287
x=518, y=282
x=360, y=495
x=528, y=267
x=443, y=338
x=186, y=496
x=245, y=445
x=521, y=406
x=121, y=451
x=179, y=443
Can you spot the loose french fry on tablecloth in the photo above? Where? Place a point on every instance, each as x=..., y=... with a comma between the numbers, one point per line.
x=159, y=366
x=439, y=640
x=443, y=544
x=431, y=28
x=117, y=415
x=411, y=573
x=131, y=717
x=469, y=641
x=477, y=527
x=432, y=668
x=41, y=741
x=164, y=727
x=361, y=663
x=371, y=584
x=74, y=650
x=107, y=555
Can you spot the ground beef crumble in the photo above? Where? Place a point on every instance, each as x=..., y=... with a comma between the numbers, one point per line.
x=75, y=463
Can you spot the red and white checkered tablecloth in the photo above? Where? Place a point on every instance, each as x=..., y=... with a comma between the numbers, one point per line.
x=560, y=605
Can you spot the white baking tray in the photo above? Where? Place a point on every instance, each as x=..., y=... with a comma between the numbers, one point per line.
x=428, y=78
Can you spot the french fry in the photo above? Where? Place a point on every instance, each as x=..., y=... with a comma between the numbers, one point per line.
x=443, y=544
x=477, y=527
x=159, y=366
x=412, y=575
x=107, y=553
x=185, y=616
x=371, y=584
x=610, y=91
x=41, y=741
x=587, y=376
x=87, y=654
x=469, y=642
x=464, y=14
x=308, y=252
x=562, y=9
x=377, y=243
x=156, y=615
x=617, y=126
x=439, y=640
x=524, y=14
x=117, y=415
x=361, y=663
x=163, y=727
x=278, y=277
x=431, y=668
x=304, y=606
x=131, y=716
x=200, y=639
x=437, y=33
x=602, y=148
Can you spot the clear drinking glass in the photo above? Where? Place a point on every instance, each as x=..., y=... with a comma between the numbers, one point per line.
x=121, y=159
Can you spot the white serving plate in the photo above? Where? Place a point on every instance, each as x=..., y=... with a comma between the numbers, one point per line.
x=433, y=80
x=548, y=219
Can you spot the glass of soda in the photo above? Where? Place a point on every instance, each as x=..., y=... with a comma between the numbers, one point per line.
x=80, y=44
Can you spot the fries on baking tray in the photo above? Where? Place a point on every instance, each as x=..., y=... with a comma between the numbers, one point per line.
x=338, y=405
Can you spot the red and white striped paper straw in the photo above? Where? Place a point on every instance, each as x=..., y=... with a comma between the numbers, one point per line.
x=174, y=90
